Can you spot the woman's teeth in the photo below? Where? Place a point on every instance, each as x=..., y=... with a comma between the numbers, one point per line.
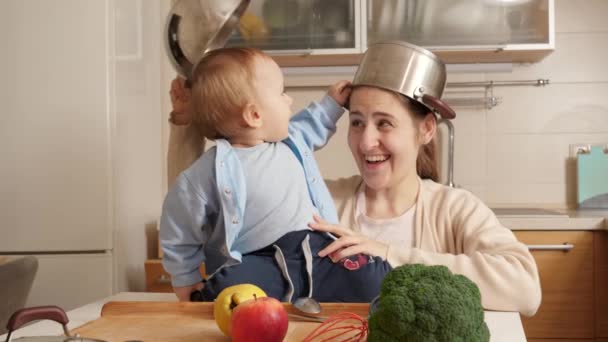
x=376, y=158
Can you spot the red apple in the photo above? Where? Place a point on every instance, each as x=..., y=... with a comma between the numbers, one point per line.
x=259, y=320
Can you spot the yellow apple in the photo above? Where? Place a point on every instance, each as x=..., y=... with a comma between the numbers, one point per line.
x=228, y=299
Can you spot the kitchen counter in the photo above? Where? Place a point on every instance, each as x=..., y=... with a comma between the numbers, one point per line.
x=554, y=219
x=504, y=326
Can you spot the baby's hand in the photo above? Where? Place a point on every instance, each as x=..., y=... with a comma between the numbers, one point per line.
x=340, y=92
x=180, y=101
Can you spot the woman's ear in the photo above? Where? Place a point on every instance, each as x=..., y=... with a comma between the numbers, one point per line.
x=428, y=127
x=251, y=117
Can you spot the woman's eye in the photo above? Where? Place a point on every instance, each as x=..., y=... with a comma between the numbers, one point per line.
x=356, y=123
x=384, y=124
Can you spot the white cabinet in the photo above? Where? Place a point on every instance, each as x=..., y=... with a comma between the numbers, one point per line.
x=55, y=191
x=55, y=141
x=337, y=32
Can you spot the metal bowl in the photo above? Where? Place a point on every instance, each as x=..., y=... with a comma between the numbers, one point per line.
x=406, y=69
x=194, y=27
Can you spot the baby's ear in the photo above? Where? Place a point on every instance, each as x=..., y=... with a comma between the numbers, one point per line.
x=251, y=117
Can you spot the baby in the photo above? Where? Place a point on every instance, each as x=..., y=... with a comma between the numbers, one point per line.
x=244, y=206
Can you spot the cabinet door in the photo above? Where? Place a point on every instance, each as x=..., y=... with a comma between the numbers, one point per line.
x=459, y=24
x=567, y=309
x=466, y=31
x=55, y=127
x=300, y=27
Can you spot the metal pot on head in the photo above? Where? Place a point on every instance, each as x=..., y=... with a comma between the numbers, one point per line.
x=406, y=69
x=196, y=26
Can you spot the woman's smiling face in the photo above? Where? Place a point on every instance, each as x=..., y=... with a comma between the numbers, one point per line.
x=383, y=137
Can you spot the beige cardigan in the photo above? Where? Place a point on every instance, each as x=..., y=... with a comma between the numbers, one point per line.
x=452, y=228
x=456, y=229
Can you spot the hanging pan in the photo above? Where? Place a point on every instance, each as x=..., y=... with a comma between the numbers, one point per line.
x=196, y=26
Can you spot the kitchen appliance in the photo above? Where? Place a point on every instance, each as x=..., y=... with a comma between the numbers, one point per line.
x=196, y=26
x=592, y=176
x=57, y=200
x=406, y=69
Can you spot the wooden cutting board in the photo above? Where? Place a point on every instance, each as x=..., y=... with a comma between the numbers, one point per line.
x=183, y=321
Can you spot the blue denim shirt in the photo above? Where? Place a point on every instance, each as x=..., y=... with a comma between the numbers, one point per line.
x=203, y=211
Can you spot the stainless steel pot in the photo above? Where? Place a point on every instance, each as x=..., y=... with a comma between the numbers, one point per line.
x=196, y=26
x=50, y=312
x=406, y=69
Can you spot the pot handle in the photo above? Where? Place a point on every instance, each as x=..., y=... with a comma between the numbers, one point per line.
x=26, y=315
x=440, y=107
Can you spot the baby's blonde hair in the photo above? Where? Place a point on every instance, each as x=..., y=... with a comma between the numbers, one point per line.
x=223, y=84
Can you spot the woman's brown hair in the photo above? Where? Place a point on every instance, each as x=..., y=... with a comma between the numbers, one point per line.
x=426, y=163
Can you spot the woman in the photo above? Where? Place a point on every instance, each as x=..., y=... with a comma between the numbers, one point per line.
x=185, y=143
x=397, y=211
x=394, y=209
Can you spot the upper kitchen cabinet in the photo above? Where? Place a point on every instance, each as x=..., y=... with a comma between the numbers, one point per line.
x=466, y=31
x=337, y=32
x=300, y=27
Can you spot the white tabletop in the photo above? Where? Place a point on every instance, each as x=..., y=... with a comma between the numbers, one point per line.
x=504, y=326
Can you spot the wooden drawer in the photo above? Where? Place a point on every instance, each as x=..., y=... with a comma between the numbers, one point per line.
x=157, y=279
x=601, y=284
x=567, y=308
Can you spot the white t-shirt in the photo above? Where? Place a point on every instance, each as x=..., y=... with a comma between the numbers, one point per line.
x=278, y=201
x=397, y=230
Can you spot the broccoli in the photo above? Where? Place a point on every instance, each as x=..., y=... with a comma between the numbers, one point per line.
x=427, y=303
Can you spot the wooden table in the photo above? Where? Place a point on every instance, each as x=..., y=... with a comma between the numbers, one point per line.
x=504, y=326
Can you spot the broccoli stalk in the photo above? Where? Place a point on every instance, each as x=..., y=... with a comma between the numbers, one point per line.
x=428, y=303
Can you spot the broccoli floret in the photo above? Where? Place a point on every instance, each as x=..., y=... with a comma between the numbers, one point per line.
x=428, y=303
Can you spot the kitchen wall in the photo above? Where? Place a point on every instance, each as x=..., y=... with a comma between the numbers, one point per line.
x=516, y=153
x=137, y=105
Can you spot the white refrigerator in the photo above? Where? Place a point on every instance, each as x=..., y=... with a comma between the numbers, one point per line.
x=56, y=146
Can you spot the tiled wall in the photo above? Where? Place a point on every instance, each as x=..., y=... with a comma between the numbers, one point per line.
x=517, y=152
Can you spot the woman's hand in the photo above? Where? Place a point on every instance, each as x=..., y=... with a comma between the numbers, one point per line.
x=183, y=293
x=180, y=102
x=340, y=92
x=349, y=243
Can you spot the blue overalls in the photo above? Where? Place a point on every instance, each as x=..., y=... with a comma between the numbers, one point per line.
x=290, y=268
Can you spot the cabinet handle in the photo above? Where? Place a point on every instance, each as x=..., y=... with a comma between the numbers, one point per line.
x=164, y=279
x=566, y=247
x=302, y=52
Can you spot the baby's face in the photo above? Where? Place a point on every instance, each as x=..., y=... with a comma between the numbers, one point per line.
x=271, y=102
